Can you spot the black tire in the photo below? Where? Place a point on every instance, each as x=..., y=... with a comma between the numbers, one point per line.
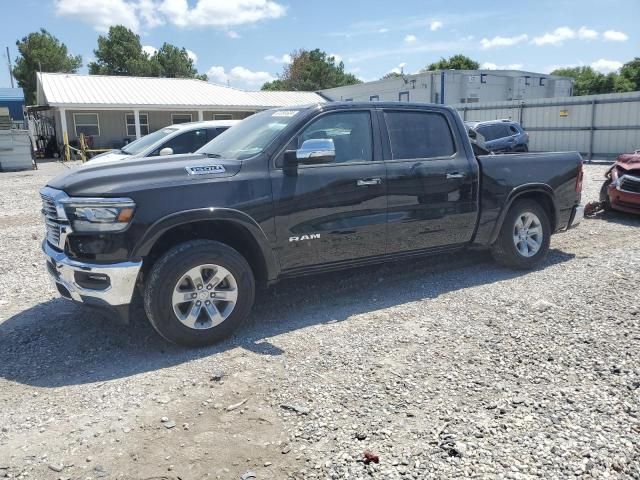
x=525, y=148
x=504, y=249
x=604, y=195
x=166, y=273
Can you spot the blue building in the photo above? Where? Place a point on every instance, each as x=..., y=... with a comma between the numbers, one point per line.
x=13, y=99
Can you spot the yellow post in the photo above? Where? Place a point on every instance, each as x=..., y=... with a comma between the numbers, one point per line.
x=67, y=153
x=83, y=148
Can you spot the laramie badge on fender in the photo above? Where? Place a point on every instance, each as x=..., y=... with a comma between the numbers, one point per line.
x=205, y=170
x=313, y=236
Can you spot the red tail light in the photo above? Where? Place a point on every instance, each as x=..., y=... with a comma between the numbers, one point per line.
x=579, y=179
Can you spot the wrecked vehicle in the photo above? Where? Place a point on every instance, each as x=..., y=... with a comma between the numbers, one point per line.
x=621, y=190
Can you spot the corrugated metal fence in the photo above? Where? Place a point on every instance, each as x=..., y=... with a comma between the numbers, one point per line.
x=598, y=126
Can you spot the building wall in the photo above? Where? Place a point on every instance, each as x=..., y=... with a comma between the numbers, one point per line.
x=597, y=126
x=459, y=87
x=113, y=130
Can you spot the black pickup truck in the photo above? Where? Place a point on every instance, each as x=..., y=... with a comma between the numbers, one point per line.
x=292, y=192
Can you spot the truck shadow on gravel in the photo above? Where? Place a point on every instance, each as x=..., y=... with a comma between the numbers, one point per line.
x=57, y=343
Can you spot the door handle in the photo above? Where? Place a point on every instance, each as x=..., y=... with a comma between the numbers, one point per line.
x=368, y=182
x=455, y=175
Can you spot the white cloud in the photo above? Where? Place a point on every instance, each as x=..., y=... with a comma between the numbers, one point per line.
x=149, y=50
x=239, y=77
x=220, y=13
x=192, y=56
x=557, y=37
x=435, y=25
x=585, y=33
x=383, y=30
x=233, y=34
x=615, y=36
x=503, y=41
x=148, y=12
x=399, y=69
x=493, y=66
x=410, y=39
x=139, y=14
x=101, y=14
x=606, y=66
x=286, y=58
x=337, y=58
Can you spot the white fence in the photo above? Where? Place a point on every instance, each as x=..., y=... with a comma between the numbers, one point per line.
x=597, y=126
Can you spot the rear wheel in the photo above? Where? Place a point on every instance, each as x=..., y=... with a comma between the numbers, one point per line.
x=523, y=241
x=199, y=292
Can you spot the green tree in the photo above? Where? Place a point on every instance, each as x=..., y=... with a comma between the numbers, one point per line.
x=456, y=62
x=391, y=75
x=311, y=70
x=120, y=53
x=174, y=62
x=41, y=51
x=629, y=78
x=587, y=81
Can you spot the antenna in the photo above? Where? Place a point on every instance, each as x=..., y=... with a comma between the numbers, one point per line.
x=10, y=68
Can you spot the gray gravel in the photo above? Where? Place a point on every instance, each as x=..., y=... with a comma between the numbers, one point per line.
x=442, y=368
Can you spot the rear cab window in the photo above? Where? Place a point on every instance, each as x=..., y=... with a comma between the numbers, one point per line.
x=419, y=134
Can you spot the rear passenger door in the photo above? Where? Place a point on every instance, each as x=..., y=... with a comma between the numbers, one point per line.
x=431, y=184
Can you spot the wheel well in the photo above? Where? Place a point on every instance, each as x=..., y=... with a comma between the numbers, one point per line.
x=545, y=202
x=229, y=233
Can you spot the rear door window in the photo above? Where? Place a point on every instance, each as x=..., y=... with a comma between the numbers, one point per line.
x=414, y=134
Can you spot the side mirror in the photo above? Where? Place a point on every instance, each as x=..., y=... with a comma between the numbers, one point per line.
x=166, y=151
x=316, y=150
x=472, y=134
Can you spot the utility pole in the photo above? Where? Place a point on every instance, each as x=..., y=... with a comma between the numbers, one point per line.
x=10, y=69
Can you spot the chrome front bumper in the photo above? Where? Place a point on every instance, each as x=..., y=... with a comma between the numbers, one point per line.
x=119, y=291
x=576, y=216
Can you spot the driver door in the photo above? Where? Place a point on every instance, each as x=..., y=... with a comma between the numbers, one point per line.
x=333, y=212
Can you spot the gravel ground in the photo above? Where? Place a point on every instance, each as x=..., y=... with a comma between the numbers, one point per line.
x=443, y=368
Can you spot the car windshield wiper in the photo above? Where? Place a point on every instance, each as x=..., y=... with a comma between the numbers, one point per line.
x=214, y=155
x=123, y=151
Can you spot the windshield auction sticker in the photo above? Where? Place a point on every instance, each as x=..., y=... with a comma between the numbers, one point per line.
x=284, y=113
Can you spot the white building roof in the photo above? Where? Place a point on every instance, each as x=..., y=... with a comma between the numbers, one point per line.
x=91, y=91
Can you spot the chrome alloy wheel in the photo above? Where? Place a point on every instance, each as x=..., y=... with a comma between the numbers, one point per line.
x=205, y=296
x=528, y=234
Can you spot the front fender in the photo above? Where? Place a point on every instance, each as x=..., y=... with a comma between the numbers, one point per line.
x=163, y=225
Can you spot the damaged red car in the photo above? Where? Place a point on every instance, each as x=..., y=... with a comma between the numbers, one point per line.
x=621, y=190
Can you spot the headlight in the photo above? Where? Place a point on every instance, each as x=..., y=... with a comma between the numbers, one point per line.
x=99, y=214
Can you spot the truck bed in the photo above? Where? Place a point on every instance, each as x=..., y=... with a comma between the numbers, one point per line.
x=503, y=176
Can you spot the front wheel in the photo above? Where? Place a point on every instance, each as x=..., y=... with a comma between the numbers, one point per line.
x=199, y=292
x=523, y=241
x=604, y=195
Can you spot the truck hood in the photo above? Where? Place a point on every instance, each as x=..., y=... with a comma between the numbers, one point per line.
x=126, y=176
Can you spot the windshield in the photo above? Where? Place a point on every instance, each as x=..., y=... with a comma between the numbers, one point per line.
x=251, y=136
x=140, y=144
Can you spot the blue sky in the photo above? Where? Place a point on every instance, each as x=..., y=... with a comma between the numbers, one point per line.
x=246, y=42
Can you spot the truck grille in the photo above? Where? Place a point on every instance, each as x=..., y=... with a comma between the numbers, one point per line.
x=630, y=184
x=51, y=220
